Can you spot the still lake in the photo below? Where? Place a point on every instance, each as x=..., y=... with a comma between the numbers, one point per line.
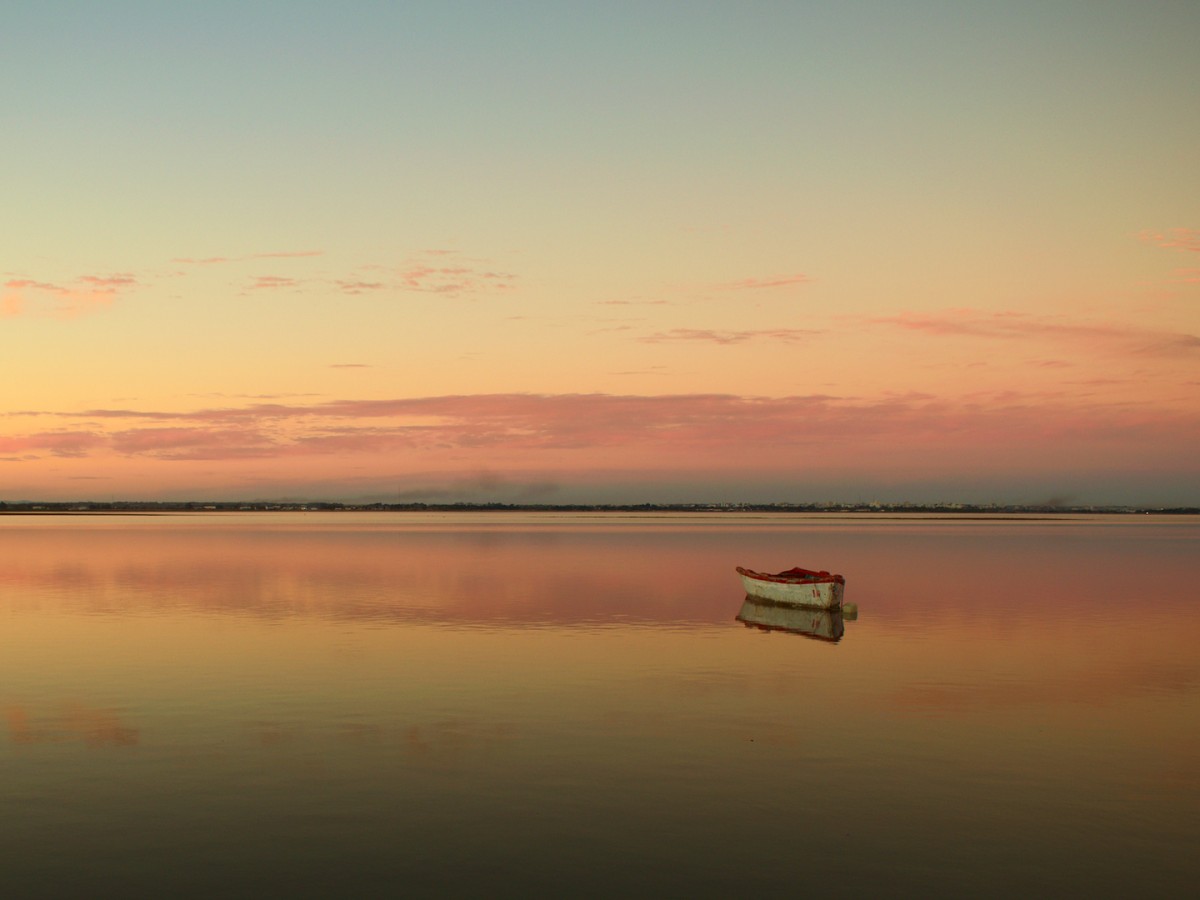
x=353, y=704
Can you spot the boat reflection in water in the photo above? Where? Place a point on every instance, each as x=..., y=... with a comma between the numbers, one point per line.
x=809, y=621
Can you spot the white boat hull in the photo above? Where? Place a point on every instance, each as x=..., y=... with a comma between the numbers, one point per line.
x=822, y=594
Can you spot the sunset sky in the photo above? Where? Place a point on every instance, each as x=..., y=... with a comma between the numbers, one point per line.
x=607, y=252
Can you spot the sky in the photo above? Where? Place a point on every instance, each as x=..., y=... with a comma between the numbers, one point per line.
x=563, y=252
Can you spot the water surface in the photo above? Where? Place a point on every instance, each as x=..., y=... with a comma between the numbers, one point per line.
x=305, y=703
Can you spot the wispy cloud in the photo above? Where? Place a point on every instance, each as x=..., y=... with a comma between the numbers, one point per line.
x=109, y=282
x=1187, y=239
x=193, y=443
x=1016, y=326
x=53, y=443
x=431, y=272
x=453, y=279
x=63, y=300
x=358, y=286
x=272, y=282
x=773, y=281
x=788, y=335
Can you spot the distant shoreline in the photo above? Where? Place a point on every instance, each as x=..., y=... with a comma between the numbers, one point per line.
x=957, y=510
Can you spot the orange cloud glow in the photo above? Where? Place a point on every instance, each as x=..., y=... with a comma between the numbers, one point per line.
x=563, y=437
x=1187, y=239
x=272, y=282
x=86, y=294
x=788, y=335
x=1013, y=325
x=453, y=279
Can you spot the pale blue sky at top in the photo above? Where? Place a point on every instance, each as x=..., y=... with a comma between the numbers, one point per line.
x=979, y=217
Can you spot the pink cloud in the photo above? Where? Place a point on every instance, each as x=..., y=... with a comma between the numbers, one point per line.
x=1187, y=239
x=445, y=280
x=109, y=282
x=272, y=282
x=68, y=300
x=359, y=287
x=55, y=443
x=463, y=278
x=130, y=414
x=431, y=275
x=193, y=443
x=788, y=335
x=587, y=421
x=17, y=284
x=357, y=441
x=769, y=282
x=1016, y=326
x=606, y=437
x=430, y=279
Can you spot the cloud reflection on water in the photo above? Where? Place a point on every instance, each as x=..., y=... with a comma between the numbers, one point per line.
x=69, y=721
x=504, y=570
x=407, y=685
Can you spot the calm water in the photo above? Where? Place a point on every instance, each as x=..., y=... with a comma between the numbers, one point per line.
x=319, y=704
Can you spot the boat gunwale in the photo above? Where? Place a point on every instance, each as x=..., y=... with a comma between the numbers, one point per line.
x=793, y=576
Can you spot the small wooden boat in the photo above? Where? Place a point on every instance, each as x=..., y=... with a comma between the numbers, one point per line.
x=819, y=624
x=795, y=587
